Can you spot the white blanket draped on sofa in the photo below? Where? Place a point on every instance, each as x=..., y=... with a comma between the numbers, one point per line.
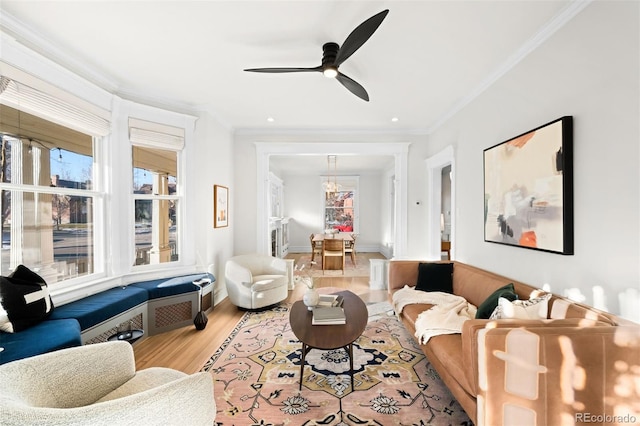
x=445, y=317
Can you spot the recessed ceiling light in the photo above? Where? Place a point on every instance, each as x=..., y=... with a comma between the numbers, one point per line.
x=394, y=119
x=271, y=119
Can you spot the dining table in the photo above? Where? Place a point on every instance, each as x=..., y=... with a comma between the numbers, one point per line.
x=333, y=262
x=346, y=236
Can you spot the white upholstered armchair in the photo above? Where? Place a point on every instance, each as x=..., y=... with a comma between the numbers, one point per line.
x=98, y=385
x=255, y=280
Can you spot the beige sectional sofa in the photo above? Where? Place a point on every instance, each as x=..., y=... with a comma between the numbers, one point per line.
x=580, y=365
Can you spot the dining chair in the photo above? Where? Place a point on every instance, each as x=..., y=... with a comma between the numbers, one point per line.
x=350, y=248
x=316, y=248
x=333, y=247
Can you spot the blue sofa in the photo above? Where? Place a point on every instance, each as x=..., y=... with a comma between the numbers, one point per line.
x=93, y=318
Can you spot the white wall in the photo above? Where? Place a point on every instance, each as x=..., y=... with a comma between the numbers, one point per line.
x=304, y=204
x=589, y=69
x=243, y=208
x=211, y=155
x=207, y=159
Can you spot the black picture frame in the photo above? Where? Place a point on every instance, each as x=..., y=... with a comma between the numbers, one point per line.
x=528, y=189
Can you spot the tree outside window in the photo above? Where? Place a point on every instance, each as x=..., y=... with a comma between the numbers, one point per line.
x=339, y=211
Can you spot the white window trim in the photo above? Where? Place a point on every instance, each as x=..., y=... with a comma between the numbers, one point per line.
x=47, y=102
x=112, y=167
x=153, y=136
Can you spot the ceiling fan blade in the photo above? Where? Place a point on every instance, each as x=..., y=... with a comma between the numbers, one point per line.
x=282, y=70
x=359, y=36
x=353, y=86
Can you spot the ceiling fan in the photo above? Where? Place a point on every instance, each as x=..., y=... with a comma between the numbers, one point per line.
x=333, y=56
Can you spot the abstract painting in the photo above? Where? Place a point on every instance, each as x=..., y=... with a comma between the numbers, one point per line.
x=528, y=189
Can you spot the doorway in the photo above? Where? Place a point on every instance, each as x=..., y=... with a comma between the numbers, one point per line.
x=441, y=209
x=398, y=150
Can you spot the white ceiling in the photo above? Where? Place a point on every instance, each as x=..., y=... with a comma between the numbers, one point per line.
x=423, y=63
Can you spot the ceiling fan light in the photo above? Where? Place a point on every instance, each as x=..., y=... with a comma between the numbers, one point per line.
x=330, y=72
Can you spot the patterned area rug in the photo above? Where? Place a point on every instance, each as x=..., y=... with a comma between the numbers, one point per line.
x=360, y=269
x=257, y=372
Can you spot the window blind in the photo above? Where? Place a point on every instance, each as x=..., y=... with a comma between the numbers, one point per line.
x=48, y=107
x=155, y=135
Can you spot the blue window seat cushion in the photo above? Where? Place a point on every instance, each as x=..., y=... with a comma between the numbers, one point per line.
x=97, y=308
x=46, y=336
x=172, y=286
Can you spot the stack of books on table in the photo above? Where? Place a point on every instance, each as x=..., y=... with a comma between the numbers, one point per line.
x=330, y=315
x=327, y=300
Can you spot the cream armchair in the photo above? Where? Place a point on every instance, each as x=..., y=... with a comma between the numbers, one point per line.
x=255, y=280
x=98, y=385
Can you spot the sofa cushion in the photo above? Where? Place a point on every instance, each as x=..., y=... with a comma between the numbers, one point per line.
x=97, y=308
x=565, y=308
x=46, y=336
x=487, y=307
x=171, y=286
x=448, y=349
x=435, y=277
x=401, y=273
x=410, y=314
x=25, y=298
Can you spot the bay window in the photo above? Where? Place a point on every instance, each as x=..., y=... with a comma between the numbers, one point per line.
x=156, y=198
x=48, y=197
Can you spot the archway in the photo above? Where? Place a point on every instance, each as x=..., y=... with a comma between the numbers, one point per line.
x=398, y=150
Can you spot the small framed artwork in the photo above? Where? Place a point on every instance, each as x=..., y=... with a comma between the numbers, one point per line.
x=528, y=189
x=220, y=206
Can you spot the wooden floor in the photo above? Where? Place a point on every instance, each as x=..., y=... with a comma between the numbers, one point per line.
x=187, y=349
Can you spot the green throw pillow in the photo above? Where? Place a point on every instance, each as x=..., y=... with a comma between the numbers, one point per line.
x=487, y=307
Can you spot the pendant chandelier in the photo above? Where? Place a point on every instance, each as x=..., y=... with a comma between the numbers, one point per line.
x=331, y=186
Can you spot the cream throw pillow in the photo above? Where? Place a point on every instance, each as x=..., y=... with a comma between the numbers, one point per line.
x=534, y=308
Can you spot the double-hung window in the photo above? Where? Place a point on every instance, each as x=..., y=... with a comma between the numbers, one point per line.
x=49, y=188
x=155, y=153
x=341, y=206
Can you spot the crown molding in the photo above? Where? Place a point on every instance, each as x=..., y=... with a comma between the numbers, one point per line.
x=21, y=34
x=35, y=41
x=284, y=131
x=553, y=25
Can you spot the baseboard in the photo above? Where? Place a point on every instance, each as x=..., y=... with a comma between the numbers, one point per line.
x=372, y=248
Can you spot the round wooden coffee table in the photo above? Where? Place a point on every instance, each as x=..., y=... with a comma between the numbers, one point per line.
x=327, y=337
